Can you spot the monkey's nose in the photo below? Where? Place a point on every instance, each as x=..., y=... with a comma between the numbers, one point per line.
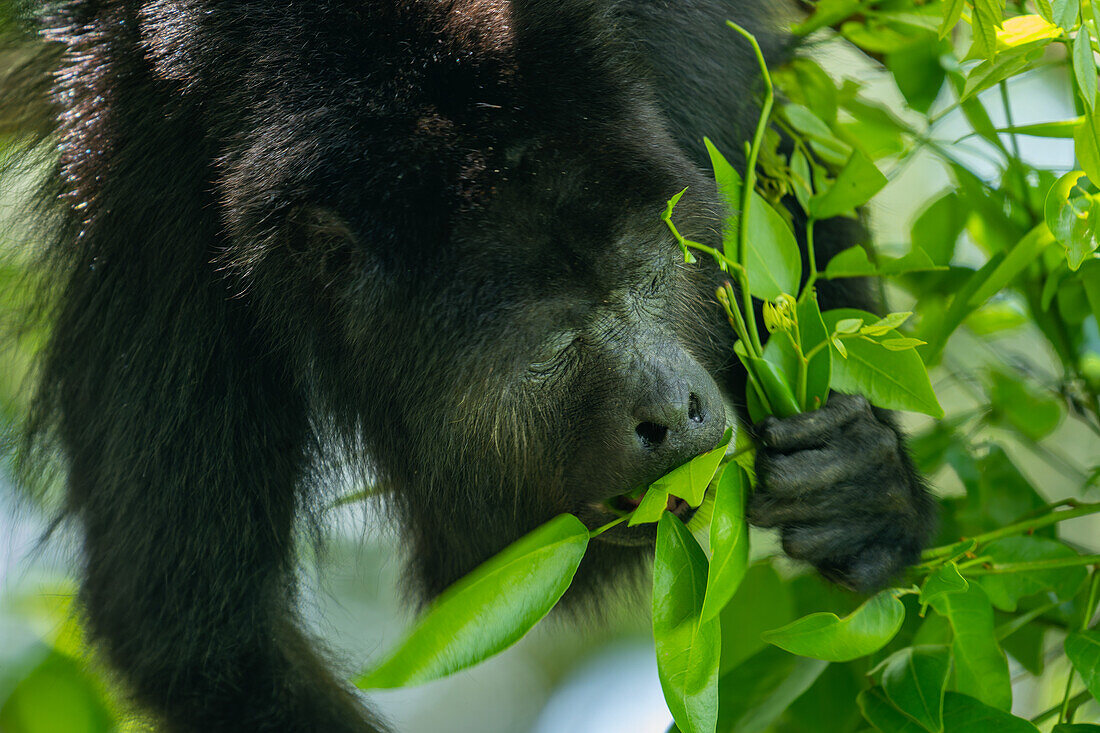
x=680, y=416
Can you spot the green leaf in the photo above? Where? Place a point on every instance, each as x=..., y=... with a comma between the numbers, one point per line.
x=1072, y=216
x=936, y=230
x=918, y=72
x=827, y=636
x=1065, y=13
x=856, y=183
x=1022, y=30
x=729, y=542
x=964, y=714
x=757, y=692
x=853, y=262
x=687, y=649
x=653, y=504
x=981, y=668
x=952, y=13
x=489, y=609
x=944, y=579
x=1086, y=145
x=773, y=260
x=881, y=713
x=1084, y=66
x=1060, y=129
x=690, y=480
x=1083, y=650
x=1026, y=251
x=984, y=22
x=780, y=352
x=730, y=187
x=762, y=601
x=1018, y=404
x=914, y=680
x=895, y=380
x=1076, y=728
x=777, y=390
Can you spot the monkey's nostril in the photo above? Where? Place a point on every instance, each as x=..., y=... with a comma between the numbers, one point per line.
x=652, y=434
x=695, y=409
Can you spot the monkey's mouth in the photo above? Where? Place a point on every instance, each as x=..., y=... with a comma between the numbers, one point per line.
x=627, y=502
x=623, y=504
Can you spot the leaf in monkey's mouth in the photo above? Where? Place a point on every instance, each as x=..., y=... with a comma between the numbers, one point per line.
x=629, y=501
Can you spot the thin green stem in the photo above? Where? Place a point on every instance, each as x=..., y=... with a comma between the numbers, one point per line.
x=1030, y=525
x=812, y=278
x=613, y=523
x=1023, y=567
x=749, y=183
x=1077, y=700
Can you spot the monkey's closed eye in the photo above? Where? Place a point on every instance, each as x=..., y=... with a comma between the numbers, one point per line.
x=554, y=352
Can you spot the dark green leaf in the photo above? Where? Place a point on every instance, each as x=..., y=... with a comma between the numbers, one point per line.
x=754, y=694
x=488, y=610
x=826, y=636
x=762, y=601
x=881, y=713
x=1076, y=728
x=729, y=542
x=914, y=679
x=964, y=714
x=687, y=649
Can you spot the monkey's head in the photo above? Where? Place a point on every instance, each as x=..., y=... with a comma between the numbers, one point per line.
x=472, y=277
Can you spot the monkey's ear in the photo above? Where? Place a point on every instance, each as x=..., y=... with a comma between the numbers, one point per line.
x=319, y=240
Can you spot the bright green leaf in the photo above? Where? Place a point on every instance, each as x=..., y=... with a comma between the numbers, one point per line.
x=1005, y=589
x=826, y=636
x=894, y=380
x=687, y=649
x=1084, y=66
x=489, y=609
x=773, y=260
x=729, y=542
x=690, y=480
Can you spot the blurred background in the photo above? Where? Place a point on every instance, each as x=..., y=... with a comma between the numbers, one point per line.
x=560, y=678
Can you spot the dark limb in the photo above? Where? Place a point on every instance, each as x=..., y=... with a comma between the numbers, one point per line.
x=840, y=486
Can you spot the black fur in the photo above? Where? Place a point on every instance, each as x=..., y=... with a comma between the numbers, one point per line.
x=420, y=237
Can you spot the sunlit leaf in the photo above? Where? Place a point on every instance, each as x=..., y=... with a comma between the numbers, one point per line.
x=1084, y=66
x=688, y=650
x=489, y=609
x=773, y=260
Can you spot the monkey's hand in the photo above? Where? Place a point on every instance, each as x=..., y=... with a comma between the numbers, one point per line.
x=839, y=485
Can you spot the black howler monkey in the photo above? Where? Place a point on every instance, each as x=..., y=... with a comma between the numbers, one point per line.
x=422, y=235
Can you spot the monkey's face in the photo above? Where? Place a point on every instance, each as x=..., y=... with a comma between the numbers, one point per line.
x=481, y=293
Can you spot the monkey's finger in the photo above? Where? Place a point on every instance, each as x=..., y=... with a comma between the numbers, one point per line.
x=768, y=510
x=813, y=428
x=795, y=475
